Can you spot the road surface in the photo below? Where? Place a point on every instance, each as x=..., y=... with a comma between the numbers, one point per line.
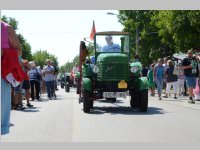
x=63, y=120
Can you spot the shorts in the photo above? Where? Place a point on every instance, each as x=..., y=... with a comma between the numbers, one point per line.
x=191, y=82
x=26, y=85
x=18, y=89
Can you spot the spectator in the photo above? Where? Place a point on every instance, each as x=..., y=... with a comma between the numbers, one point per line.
x=43, y=86
x=49, y=79
x=196, y=91
x=26, y=83
x=55, y=74
x=191, y=72
x=17, y=101
x=34, y=76
x=159, y=77
x=39, y=78
x=165, y=65
x=9, y=43
x=171, y=79
x=144, y=71
x=181, y=81
x=150, y=79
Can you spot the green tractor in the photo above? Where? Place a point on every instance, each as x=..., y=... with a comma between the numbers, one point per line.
x=109, y=74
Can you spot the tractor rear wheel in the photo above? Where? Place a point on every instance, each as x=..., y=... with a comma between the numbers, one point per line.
x=135, y=99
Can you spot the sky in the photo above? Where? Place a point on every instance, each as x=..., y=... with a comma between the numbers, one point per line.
x=60, y=31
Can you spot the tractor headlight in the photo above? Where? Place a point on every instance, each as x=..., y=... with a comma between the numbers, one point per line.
x=134, y=69
x=95, y=69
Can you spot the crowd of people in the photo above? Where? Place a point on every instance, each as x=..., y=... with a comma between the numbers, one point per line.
x=38, y=80
x=179, y=75
x=20, y=78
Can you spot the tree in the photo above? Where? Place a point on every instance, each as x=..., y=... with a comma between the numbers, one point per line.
x=149, y=39
x=179, y=29
x=162, y=33
x=25, y=46
x=11, y=21
x=41, y=56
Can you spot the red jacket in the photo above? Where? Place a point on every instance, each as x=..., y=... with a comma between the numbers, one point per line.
x=10, y=64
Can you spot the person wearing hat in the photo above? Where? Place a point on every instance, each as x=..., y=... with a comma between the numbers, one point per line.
x=110, y=47
x=191, y=71
x=48, y=72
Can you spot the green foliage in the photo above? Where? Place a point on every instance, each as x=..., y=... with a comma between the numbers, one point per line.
x=163, y=32
x=25, y=46
x=40, y=58
x=11, y=21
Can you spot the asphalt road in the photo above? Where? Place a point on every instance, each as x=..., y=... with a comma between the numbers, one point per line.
x=63, y=120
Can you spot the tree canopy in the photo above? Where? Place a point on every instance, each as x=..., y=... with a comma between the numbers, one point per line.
x=162, y=32
x=40, y=57
x=25, y=46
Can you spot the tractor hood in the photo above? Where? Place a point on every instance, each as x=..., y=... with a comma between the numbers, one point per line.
x=112, y=67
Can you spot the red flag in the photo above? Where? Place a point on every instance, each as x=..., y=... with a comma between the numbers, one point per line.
x=93, y=31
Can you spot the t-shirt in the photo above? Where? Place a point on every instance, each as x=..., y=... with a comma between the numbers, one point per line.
x=49, y=76
x=170, y=76
x=159, y=71
x=190, y=72
x=111, y=48
x=150, y=74
x=34, y=74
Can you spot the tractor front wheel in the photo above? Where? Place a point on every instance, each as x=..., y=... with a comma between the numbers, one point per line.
x=86, y=101
x=135, y=99
x=144, y=100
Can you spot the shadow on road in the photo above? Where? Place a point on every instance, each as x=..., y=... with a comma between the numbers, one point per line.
x=12, y=125
x=31, y=109
x=126, y=111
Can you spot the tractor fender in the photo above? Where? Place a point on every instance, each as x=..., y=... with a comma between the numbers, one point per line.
x=143, y=83
x=87, y=84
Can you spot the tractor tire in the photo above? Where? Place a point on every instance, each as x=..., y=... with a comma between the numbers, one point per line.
x=135, y=99
x=86, y=101
x=144, y=101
